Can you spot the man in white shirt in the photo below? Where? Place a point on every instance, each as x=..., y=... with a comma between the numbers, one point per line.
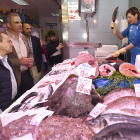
x=21, y=56
x=8, y=83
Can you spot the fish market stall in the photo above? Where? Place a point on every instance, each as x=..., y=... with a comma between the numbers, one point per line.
x=62, y=105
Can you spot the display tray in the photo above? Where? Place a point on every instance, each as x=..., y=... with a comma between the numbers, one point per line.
x=52, y=78
x=84, y=44
x=101, y=59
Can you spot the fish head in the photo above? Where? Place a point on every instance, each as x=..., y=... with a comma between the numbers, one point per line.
x=97, y=123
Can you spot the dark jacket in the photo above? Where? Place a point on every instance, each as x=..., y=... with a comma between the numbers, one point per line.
x=37, y=52
x=51, y=49
x=5, y=86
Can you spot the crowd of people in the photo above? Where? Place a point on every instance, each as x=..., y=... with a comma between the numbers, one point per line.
x=21, y=57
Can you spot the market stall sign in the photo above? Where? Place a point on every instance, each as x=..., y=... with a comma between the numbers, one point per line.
x=137, y=90
x=51, y=25
x=84, y=85
x=97, y=110
x=73, y=12
x=85, y=70
x=40, y=116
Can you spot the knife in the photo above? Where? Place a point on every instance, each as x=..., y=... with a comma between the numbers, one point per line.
x=114, y=15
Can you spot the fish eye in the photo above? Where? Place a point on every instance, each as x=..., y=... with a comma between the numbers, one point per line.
x=105, y=122
x=96, y=123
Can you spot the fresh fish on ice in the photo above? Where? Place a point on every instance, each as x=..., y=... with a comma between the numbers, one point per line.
x=87, y=58
x=16, y=108
x=128, y=105
x=106, y=70
x=105, y=120
x=17, y=128
x=54, y=128
x=66, y=101
x=62, y=128
x=118, y=93
x=34, y=100
x=120, y=131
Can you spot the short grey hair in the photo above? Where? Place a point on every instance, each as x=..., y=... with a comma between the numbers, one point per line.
x=8, y=17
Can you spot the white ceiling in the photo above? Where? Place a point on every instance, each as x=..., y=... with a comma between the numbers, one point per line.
x=37, y=7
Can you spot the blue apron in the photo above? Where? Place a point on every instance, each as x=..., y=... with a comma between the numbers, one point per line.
x=136, y=50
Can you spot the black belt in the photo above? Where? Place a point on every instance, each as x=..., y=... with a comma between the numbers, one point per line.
x=24, y=71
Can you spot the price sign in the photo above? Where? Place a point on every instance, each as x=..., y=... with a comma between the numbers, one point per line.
x=137, y=90
x=85, y=70
x=84, y=85
x=97, y=110
x=40, y=116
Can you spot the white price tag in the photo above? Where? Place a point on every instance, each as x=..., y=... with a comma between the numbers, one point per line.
x=97, y=110
x=40, y=116
x=85, y=70
x=137, y=90
x=84, y=85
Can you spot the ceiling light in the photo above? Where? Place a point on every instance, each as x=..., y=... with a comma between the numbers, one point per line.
x=1, y=20
x=20, y=2
x=55, y=14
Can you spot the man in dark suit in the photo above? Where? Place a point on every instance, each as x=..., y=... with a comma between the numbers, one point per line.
x=8, y=82
x=35, y=46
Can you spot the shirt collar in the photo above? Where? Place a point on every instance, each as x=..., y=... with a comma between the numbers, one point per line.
x=20, y=34
x=30, y=39
x=4, y=58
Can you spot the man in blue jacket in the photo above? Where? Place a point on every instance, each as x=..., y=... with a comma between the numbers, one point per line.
x=8, y=82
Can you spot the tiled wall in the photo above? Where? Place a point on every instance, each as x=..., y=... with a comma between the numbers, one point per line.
x=99, y=32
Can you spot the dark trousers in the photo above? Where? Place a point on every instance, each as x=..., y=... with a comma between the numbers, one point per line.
x=26, y=82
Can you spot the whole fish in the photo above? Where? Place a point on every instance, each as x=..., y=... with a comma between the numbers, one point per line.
x=108, y=119
x=18, y=106
x=118, y=93
x=120, y=131
x=128, y=105
x=67, y=102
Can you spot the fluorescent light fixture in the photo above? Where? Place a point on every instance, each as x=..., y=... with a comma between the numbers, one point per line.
x=20, y=2
x=1, y=20
x=55, y=14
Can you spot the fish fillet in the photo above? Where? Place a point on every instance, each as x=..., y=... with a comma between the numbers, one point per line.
x=106, y=70
x=129, y=70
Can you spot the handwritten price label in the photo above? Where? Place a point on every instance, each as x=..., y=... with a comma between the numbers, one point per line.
x=40, y=116
x=137, y=90
x=85, y=70
x=97, y=110
x=84, y=85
